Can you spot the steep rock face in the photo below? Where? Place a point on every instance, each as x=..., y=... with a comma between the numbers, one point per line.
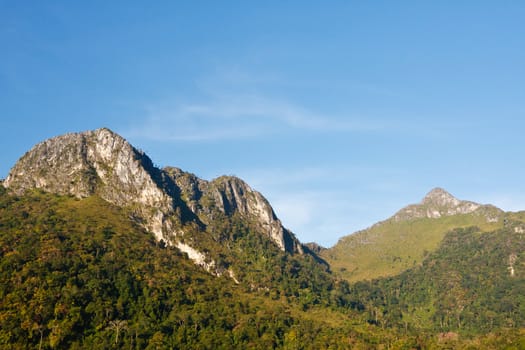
x=437, y=203
x=103, y=163
x=191, y=187
x=230, y=195
x=97, y=162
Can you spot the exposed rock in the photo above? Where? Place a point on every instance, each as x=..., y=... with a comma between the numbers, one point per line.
x=440, y=197
x=103, y=163
x=512, y=261
x=191, y=187
x=314, y=247
x=405, y=239
x=195, y=255
x=230, y=195
x=98, y=162
x=437, y=203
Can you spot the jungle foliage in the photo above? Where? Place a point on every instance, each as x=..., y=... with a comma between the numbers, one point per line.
x=80, y=274
x=473, y=284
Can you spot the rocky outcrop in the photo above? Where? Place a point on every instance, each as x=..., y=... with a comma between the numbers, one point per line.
x=103, y=163
x=437, y=203
x=314, y=247
x=230, y=195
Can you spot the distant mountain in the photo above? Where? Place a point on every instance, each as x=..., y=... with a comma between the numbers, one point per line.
x=473, y=283
x=437, y=203
x=402, y=241
x=177, y=207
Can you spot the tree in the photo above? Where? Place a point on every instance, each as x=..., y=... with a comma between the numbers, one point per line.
x=118, y=326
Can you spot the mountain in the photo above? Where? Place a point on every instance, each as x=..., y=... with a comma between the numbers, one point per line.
x=473, y=283
x=77, y=273
x=404, y=240
x=103, y=163
x=100, y=249
x=177, y=207
x=437, y=203
x=230, y=195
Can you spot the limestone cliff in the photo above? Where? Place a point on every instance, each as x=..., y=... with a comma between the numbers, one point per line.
x=98, y=162
x=164, y=201
x=230, y=195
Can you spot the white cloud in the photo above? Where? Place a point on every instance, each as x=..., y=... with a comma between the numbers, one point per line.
x=284, y=177
x=238, y=116
x=322, y=204
x=295, y=209
x=232, y=103
x=324, y=216
x=309, y=214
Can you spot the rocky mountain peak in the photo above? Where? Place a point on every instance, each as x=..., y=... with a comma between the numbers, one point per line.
x=440, y=197
x=97, y=162
x=101, y=162
x=437, y=203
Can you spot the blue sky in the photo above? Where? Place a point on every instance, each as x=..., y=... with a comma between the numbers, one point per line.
x=339, y=112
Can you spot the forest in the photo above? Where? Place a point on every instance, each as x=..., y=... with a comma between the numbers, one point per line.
x=79, y=274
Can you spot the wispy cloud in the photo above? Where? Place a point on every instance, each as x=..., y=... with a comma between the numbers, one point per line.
x=238, y=116
x=324, y=216
x=321, y=213
x=314, y=216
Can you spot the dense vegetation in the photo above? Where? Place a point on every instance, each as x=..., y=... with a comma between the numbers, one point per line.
x=391, y=247
x=472, y=284
x=79, y=274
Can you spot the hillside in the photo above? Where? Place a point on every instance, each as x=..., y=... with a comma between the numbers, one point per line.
x=200, y=218
x=404, y=240
x=473, y=283
x=78, y=273
x=99, y=249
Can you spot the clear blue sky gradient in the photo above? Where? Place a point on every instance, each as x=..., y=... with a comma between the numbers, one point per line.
x=339, y=112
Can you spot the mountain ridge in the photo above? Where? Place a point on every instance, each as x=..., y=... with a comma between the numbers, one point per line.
x=176, y=205
x=436, y=203
x=77, y=273
x=404, y=240
x=231, y=194
x=170, y=203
